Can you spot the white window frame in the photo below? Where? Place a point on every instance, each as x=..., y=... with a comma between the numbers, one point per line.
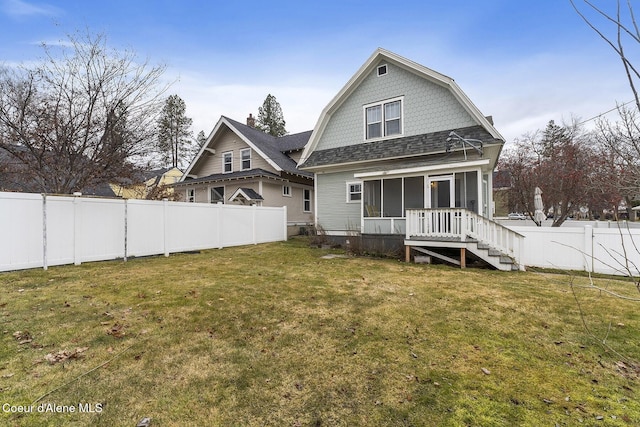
x=243, y=160
x=306, y=200
x=191, y=195
x=350, y=193
x=383, y=121
x=224, y=162
x=286, y=191
x=382, y=70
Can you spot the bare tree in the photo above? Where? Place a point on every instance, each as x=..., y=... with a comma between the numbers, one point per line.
x=82, y=117
x=625, y=30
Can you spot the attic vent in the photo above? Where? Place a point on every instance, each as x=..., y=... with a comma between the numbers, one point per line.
x=382, y=70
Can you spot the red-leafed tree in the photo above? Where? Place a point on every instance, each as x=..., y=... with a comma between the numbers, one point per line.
x=559, y=161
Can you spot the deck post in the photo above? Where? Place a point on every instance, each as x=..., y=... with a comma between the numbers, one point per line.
x=407, y=253
x=463, y=257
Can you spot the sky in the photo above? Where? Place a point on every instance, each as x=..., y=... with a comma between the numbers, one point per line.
x=524, y=62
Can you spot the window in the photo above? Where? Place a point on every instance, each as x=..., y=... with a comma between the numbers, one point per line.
x=286, y=191
x=382, y=70
x=372, y=198
x=383, y=119
x=245, y=156
x=227, y=162
x=191, y=195
x=217, y=194
x=354, y=192
x=306, y=200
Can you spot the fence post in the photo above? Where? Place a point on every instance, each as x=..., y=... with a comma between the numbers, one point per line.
x=76, y=230
x=220, y=225
x=284, y=214
x=165, y=226
x=588, y=248
x=44, y=232
x=126, y=222
x=254, y=227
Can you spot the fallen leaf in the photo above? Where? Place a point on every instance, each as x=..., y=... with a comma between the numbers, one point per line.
x=485, y=371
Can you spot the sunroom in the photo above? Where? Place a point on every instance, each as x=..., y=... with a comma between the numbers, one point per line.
x=389, y=196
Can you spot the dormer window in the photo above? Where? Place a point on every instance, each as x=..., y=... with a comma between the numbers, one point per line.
x=383, y=119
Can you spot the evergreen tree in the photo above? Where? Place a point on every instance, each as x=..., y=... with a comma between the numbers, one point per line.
x=270, y=118
x=174, y=133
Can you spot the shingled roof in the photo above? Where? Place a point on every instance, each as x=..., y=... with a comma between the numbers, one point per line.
x=403, y=147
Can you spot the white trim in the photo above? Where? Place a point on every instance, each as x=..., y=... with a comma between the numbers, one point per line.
x=420, y=169
x=242, y=168
x=224, y=163
x=348, y=188
x=383, y=122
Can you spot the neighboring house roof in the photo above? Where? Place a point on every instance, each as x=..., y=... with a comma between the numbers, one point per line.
x=272, y=149
x=251, y=173
x=408, y=146
x=420, y=70
x=246, y=194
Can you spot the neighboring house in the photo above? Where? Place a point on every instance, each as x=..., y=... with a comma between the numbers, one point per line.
x=155, y=183
x=240, y=164
x=402, y=157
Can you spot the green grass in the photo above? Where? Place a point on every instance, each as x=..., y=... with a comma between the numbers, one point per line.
x=276, y=335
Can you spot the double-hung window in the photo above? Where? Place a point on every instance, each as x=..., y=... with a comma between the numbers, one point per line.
x=354, y=192
x=217, y=194
x=227, y=162
x=306, y=200
x=383, y=119
x=245, y=158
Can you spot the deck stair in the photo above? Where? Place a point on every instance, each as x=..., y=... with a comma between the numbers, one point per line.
x=431, y=231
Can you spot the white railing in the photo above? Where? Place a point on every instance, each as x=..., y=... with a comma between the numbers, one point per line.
x=463, y=224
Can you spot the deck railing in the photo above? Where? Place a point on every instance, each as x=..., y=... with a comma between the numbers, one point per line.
x=463, y=224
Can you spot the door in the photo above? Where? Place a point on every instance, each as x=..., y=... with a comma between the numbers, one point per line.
x=441, y=193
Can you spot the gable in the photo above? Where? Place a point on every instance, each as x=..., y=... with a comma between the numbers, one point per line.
x=428, y=103
x=210, y=160
x=427, y=106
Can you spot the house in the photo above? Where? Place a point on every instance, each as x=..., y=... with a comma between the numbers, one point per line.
x=401, y=157
x=150, y=184
x=240, y=164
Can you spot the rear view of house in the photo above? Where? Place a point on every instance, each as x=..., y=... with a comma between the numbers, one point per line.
x=239, y=164
x=402, y=157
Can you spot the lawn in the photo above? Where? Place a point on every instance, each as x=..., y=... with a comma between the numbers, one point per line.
x=277, y=335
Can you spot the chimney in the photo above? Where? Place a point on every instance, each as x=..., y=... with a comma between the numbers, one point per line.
x=251, y=121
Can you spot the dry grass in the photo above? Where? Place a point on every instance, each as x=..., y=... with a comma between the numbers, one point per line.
x=276, y=335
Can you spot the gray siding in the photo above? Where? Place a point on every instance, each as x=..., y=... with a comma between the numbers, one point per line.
x=333, y=211
x=428, y=107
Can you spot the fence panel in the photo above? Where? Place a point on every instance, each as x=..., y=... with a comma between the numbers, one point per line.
x=55, y=230
x=22, y=235
x=616, y=251
x=145, y=228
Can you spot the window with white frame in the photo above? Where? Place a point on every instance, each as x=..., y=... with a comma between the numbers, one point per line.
x=191, y=195
x=306, y=200
x=286, y=191
x=245, y=159
x=354, y=192
x=227, y=162
x=217, y=195
x=383, y=119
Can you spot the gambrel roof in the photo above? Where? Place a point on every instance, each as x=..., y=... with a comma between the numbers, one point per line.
x=308, y=160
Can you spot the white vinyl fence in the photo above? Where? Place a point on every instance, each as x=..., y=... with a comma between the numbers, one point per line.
x=41, y=231
x=613, y=250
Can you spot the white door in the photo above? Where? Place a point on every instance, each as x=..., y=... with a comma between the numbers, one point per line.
x=440, y=192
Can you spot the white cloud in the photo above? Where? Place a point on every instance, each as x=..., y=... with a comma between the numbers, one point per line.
x=19, y=9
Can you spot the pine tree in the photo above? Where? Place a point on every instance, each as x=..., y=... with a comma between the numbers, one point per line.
x=270, y=117
x=174, y=133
